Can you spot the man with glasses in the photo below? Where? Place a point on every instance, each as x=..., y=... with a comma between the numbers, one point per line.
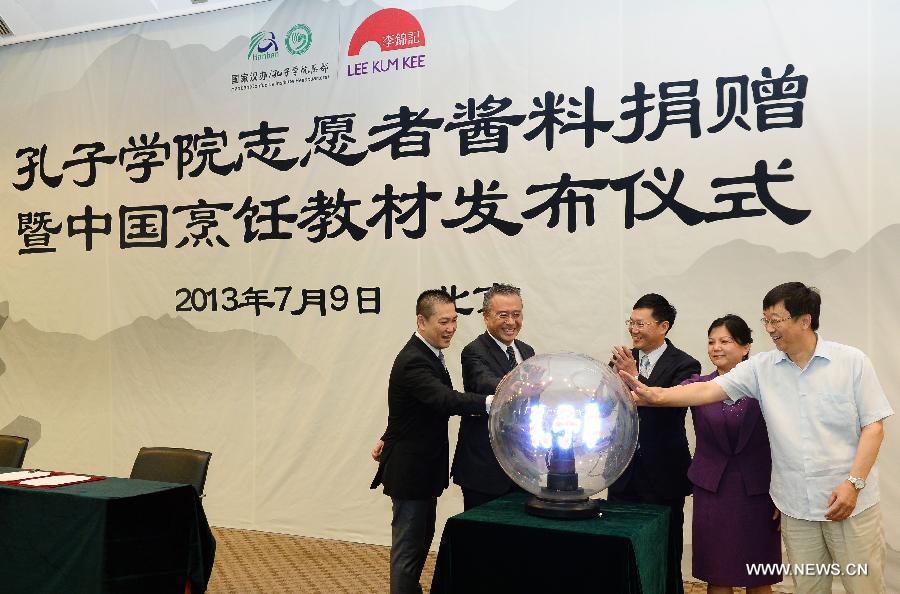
x=485, y=361
x=824, y=409
x=658, y=471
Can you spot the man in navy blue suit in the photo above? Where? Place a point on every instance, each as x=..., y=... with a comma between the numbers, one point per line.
x=658, y=471
x=485, y=361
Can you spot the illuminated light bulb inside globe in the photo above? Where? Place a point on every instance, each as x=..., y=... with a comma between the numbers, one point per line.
x=563, y=427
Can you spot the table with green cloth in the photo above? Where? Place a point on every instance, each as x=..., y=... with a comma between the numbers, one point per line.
x=109, y=536
x=497, y=548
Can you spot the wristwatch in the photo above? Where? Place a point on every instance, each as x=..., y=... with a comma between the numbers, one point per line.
x=858, y=483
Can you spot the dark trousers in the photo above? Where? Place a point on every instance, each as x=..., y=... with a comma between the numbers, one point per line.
x=412, y=530
x=675, y=541
x=472, y=498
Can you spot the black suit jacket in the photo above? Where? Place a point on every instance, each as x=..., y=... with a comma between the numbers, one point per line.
x=660, y=464
x=415, y=459
x=474, y=465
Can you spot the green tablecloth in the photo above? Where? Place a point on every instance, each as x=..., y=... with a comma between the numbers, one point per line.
x=498, y=548
x=110, y=536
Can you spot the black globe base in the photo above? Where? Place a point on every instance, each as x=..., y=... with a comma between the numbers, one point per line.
x=579, y=509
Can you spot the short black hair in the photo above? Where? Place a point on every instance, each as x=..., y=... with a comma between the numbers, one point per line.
x=428, y=299
x=498, y=289
x=662, y=310
x=736, y=326
x=798, y=300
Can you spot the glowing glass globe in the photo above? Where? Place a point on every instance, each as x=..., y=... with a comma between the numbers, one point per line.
x=563, y=427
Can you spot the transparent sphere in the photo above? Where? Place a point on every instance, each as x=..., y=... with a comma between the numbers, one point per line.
x=563, y=426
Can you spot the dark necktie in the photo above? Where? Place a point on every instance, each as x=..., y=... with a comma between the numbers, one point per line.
x=441, y=358
x=511, y=354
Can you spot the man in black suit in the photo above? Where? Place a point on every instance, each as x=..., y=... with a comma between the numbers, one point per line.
x=658, y=471
x=485, y=361
x=413, y=454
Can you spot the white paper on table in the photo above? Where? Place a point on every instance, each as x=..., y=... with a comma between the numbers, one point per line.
x=19, y=475
x=51, y=481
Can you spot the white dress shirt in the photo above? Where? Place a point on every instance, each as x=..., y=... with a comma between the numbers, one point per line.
x=503, y=347
x=437, y=352
x=653, y=355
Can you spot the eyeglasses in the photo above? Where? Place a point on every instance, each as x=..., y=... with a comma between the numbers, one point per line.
x=638, y=325
x=509, y=315
x=775, y=322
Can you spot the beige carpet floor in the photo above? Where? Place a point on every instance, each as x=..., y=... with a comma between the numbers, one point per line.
x=249, y=562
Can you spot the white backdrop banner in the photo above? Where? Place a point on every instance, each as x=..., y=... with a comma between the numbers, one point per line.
x=214, y=227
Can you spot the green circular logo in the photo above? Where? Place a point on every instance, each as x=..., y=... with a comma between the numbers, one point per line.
x=298, y=39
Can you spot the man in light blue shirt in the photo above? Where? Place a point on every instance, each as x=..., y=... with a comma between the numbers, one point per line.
x=824, y=408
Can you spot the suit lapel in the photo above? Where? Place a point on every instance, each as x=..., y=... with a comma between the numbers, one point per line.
x=526, y=351
x=658, y=368
x=661, y=365
x=432, y=358
x=494, y=349
x=751, y=418
x=714, y=415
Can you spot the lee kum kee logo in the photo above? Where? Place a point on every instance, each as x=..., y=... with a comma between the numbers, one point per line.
x=391, y=29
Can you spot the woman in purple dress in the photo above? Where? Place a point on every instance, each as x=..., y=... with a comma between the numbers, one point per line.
x=735, y=521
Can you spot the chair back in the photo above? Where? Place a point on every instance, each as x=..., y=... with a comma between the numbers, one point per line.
x=172, y=465
x=12, y=450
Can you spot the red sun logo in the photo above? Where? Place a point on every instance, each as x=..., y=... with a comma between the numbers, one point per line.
x=391, y=28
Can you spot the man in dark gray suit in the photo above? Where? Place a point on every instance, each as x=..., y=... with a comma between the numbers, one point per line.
x=485, y=361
